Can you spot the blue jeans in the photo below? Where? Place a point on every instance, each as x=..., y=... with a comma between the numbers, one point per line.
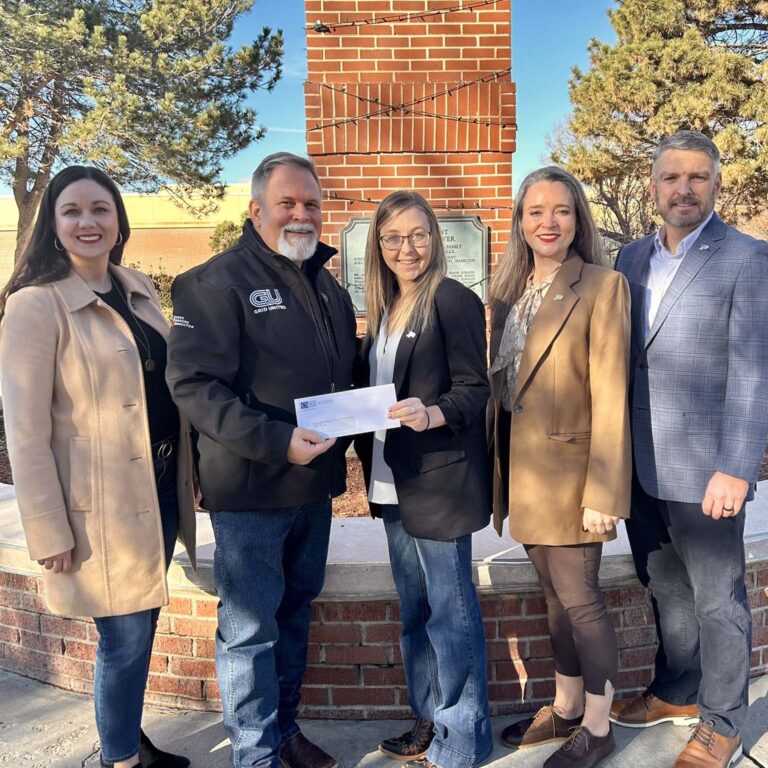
x=695, y=568
x=442, y=642
x=268, y=566
x=125, y=647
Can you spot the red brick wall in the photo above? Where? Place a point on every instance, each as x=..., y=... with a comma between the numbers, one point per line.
x=455, y=64
x=355, y=668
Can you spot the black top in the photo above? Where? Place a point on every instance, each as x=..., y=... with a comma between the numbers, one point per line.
x=251, y=332
x=442, y=476
x=161, y=412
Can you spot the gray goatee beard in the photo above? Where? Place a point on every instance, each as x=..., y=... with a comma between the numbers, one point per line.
x=303, y=248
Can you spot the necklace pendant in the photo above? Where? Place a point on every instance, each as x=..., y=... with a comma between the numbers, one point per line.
x=149, y=365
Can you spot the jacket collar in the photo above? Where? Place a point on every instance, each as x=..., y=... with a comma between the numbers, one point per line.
x=555, y=308
x=405, y=348
x=698, y=255
x=76, y=294
x=403, y=356
x=252, y=240
x=407, y=344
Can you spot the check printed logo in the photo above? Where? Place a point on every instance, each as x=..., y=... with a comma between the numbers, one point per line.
x=265, y=297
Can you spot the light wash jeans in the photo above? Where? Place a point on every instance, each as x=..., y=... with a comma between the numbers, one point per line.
x=268, y=567
x=125, y=647
x=442, y=642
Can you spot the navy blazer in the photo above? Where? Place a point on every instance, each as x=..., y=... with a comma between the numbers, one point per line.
x=699, y=382
x=442, y=475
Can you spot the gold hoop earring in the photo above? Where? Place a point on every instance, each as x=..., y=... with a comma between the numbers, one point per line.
x=119, y=238
x=57, y=245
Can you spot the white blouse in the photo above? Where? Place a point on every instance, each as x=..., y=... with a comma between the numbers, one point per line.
x=382, y=362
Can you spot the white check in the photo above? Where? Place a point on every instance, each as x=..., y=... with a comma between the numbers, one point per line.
x=347, y=413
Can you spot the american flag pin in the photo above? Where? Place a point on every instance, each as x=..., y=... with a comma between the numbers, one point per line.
x=410, y=334
x=559, y=297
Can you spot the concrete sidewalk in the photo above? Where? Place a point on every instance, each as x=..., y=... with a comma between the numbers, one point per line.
x=44, y=727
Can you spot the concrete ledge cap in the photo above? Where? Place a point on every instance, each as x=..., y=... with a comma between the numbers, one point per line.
x=358, y=560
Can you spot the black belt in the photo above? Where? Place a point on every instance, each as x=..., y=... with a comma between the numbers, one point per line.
x=164, y=449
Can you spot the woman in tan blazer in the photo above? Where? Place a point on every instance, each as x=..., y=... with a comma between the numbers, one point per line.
x=101, y=461
x=560, y=435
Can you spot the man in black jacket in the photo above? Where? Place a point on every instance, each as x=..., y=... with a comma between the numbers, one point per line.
x=255, y=327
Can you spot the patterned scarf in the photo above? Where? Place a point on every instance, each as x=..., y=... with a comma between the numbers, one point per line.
x=515, y=333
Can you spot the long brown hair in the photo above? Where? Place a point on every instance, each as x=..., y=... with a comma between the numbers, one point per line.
x=42, y=262
x=415, y=309
x=508, y=281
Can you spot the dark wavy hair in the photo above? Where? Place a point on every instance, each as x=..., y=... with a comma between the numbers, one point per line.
x=41, y=261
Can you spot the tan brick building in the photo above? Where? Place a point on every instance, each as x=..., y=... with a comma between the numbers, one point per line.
x=163, y=236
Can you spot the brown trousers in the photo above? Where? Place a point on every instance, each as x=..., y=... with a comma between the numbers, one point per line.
x=583, y=639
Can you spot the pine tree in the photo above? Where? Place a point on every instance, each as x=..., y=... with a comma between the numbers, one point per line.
x=677, y=64
x=147, y=90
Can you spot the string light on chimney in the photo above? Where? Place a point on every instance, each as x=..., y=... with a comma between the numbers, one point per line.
x=322, y=28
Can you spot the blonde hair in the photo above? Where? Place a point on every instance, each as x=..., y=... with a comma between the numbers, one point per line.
x=508, y=281
x=414, y=309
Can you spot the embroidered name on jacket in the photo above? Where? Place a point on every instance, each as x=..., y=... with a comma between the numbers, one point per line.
x=266, y=299
x=181, y=322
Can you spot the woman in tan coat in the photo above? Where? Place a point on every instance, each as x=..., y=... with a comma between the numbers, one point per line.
x=560, y=435
x=101, y=461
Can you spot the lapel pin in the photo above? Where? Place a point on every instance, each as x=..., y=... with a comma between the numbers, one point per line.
x=410, y=334
x=559, y=297
x=703, y=247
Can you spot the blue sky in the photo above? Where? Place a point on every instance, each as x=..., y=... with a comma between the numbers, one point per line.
x=549, y=37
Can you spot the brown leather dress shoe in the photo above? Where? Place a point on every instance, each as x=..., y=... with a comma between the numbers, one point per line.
x=707, y=749
x=300, y=752
x=544, y=727
x=582, y=750
x=646, y=710
x=411, y=745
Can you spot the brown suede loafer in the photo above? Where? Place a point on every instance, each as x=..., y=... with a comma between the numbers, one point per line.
x=411, y=745
x=707, y=749
x=646, y=710
x=300, y=752
x=582, y=750
x=544, y=727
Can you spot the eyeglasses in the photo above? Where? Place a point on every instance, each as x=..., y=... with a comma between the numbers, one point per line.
x=417, y=239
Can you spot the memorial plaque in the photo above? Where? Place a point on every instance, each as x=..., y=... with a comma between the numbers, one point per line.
x=466, y=250
x=353, y=239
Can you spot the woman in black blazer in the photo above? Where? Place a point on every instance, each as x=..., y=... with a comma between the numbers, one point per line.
x=429, y=479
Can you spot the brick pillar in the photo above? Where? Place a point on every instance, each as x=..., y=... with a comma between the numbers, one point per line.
x=435, y=67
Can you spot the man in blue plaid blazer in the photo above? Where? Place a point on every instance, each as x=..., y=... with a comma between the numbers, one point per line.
x=699, y=414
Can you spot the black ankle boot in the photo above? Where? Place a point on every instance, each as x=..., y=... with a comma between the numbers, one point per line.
x=152, y=757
